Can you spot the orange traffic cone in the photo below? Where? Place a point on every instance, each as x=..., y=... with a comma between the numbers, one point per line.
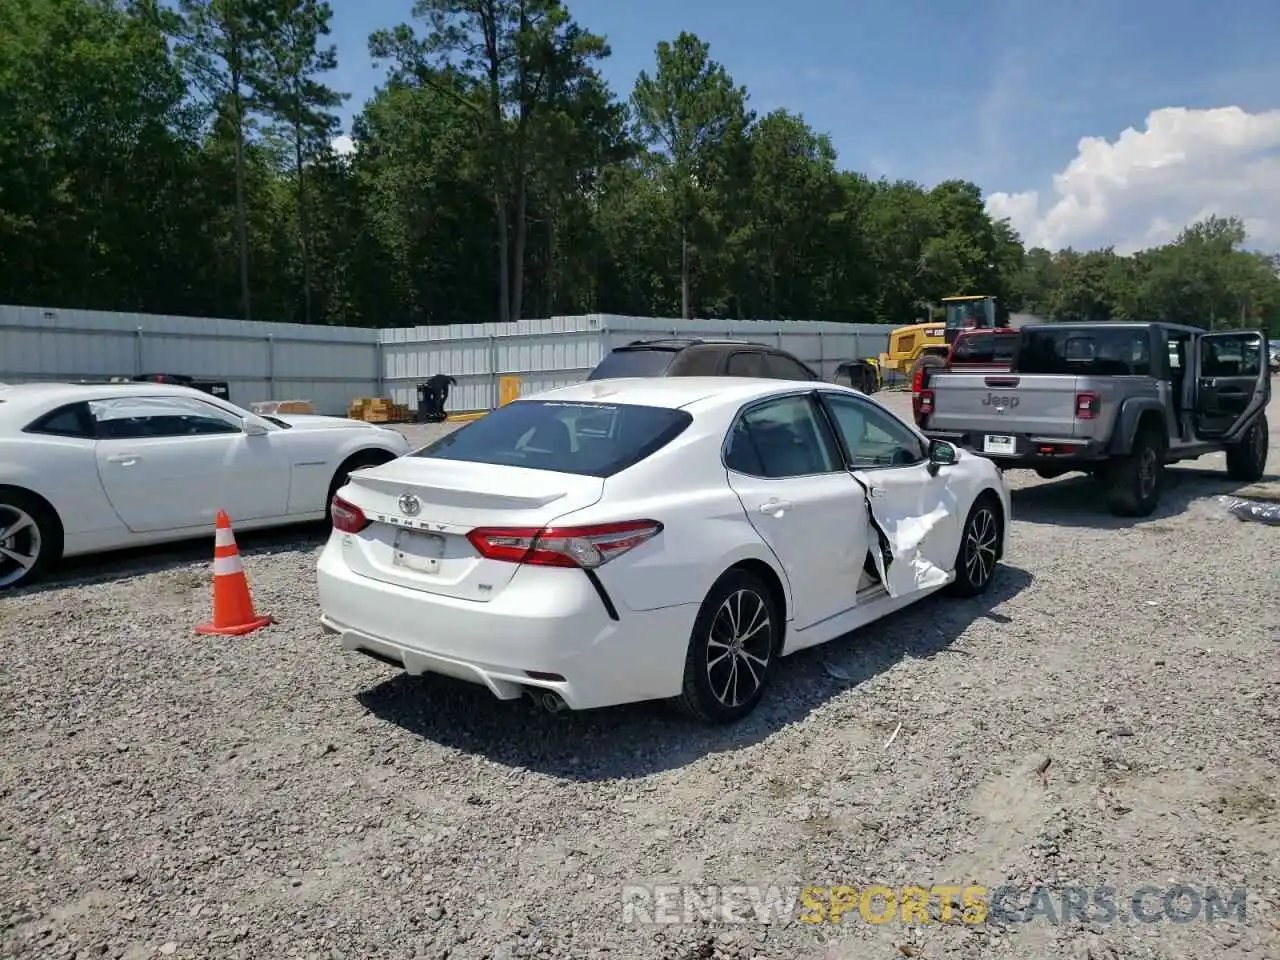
x=233, y=613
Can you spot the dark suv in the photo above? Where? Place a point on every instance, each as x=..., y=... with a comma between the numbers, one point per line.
x=696, y=357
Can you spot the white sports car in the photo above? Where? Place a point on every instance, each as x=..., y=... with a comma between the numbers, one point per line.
x=86, y=468
x=626, y=540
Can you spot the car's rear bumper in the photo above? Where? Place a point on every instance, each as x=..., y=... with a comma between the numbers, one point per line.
x=1030, y=450
x=547, y=630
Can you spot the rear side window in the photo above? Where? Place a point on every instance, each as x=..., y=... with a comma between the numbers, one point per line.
x=746, y=364
x=985, y=348
x=69, y=421
x=780, y=438
x=626, y=362
x=588, y=439
x=778, y=366
x=698, y=362
x=1085, y=352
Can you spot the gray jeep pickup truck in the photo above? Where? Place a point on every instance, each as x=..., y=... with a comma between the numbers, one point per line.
x=1116, y=400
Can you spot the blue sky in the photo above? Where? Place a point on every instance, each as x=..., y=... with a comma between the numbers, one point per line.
x=997, y=91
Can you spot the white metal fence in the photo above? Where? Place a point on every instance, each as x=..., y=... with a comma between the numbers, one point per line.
x=332, y=365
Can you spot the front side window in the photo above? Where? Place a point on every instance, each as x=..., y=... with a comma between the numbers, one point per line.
x=132, y=418
x=873, y=436
x=780, y=438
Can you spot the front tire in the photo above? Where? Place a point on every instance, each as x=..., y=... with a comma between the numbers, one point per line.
x=732, y=650
x=30, y=538
x=979, y=548
x=1247, y=458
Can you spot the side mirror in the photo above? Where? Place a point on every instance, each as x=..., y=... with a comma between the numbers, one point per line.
x=941, y=454
x=253, y=428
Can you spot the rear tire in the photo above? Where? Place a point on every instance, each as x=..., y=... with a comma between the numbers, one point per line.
x=1247, y=458
x=1134, y=482
x=30, y=538
x=732, y=650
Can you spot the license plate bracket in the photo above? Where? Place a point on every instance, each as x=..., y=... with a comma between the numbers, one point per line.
x=999, y=444
x=419, y=552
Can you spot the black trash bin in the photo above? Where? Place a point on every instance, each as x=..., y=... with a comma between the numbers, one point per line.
x=426, y=403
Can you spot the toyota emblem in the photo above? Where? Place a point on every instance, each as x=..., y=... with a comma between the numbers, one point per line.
x=410, y=505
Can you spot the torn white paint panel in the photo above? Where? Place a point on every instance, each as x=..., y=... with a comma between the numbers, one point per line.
x=902, y=527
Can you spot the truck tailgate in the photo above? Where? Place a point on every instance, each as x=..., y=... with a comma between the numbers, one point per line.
x=1004, y=403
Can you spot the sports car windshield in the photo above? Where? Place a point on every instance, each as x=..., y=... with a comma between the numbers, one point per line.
x=588, y=439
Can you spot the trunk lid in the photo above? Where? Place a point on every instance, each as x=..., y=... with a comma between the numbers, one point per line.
x=427, y=548
x=1005, y=403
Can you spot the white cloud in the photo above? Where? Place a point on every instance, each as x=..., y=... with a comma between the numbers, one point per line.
x=343, y=146
x=1142, y=188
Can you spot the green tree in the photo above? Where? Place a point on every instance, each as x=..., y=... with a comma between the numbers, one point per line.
x=219, y=42
x=286, y=88
x=692, y=111
x=508, y=55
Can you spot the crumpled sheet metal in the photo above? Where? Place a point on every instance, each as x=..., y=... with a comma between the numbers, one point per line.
x=900, y=561
x=1254, y=511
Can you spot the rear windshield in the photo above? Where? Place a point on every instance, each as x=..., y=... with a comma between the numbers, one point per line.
x=985, y=348
x=1085, y=352
x=633, y=363
x=588, y=439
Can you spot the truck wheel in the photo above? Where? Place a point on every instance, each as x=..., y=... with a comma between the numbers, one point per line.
x=1247, y=457
x=1134, y=482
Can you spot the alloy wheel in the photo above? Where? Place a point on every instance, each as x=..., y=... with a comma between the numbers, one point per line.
x=739, y=648
x=1147, y=472
x=980, y=546
x=20, y=544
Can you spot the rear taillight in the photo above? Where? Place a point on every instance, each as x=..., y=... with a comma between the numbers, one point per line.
x=1087, y=405
x=926, y=402
x=586, y=547
x=917, y=381
x=347, y=517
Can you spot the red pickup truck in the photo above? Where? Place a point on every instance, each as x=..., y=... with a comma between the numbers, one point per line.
x=974, y=351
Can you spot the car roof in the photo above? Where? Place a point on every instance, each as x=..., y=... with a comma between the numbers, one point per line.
x=676, y=392
x=683, y=343
x=26, y=400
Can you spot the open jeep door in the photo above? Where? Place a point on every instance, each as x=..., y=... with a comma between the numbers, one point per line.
x=1233, y=383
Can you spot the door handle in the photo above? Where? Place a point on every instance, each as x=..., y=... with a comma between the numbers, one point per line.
x=124, y=459
x=876, y=491
x=772, y=507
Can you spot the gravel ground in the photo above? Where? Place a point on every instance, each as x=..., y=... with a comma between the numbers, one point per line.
x=168, y=794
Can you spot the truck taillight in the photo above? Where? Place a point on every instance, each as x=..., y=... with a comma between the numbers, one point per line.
x=585, y=547
x=1087, y=405
x=926, y=402
x=917, y=381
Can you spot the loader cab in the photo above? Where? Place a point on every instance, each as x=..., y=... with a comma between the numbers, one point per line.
x=972, y=313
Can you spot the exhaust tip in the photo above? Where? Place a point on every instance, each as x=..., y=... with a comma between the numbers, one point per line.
x=548, y=700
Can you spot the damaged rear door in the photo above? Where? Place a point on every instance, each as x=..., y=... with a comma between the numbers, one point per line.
x=913, y=512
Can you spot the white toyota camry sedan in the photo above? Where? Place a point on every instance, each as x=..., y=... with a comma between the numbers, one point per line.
x=92, y=467
x=626, y=540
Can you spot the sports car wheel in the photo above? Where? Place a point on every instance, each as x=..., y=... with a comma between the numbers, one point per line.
x=731, y=650
x=979, y=549
x=29, y=538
